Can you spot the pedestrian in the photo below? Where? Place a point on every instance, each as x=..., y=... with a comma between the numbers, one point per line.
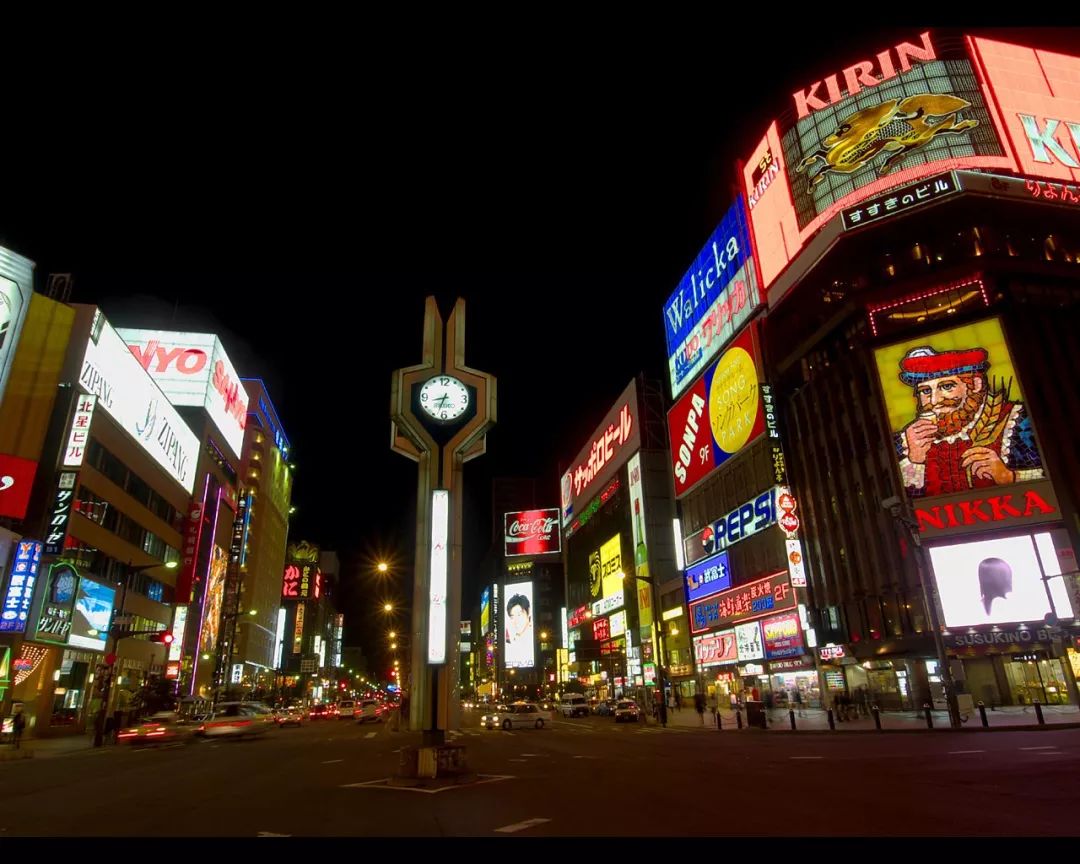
x=714, y=708
x=798, y=701
x=699, y=706
x=678, y=700
x=768, y=705
x=861, y=701
x=755, y=694
x=734, y=701
x=18, y=725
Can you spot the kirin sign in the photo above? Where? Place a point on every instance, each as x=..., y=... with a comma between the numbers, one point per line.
x=532, y=532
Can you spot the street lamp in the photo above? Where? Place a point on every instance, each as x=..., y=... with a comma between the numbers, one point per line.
x=115, y=634
x=382, y=567
x=895, y=508
x=388, y=607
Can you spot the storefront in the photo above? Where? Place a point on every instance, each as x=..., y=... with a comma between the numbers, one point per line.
x=793, y=683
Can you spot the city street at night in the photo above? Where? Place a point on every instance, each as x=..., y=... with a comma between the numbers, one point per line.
x=575, y=777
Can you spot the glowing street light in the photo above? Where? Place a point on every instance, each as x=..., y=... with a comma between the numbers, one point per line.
x=388, y=607
x=382, y=567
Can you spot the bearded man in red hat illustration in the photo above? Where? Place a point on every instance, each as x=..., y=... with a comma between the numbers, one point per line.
x=966, y=435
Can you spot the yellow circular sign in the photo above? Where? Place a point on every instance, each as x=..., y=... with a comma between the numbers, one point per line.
x=733, y=400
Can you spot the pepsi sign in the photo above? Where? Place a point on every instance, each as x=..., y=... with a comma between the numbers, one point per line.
x=708, y=577
x=744, y=521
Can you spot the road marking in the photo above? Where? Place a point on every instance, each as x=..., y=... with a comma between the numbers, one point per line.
x=371, y=735
x=385, y=784
x=806, y=757
x=332, y=761
x=530, y=754
x=517, y=760
x=271, y=834
x=960, y=752
x=520, y=826
x=584, y=757
x=1044, y=747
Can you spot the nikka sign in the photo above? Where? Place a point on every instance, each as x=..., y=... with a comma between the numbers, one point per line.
x=995, y=508
x=532, y=532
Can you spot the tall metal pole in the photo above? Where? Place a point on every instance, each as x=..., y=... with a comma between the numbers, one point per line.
x=106, y=690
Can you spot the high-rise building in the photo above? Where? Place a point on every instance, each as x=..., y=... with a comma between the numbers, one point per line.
x=259, y=543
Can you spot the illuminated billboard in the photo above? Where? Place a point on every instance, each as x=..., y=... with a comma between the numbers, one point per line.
x=715, y=298
x=907, y=112
x=193, y=369
x=1038, y=105
x=615, y=440
x=532, y=532
x=1000, y=581
x=485, y=612
x=57, y=604
x=16, y=481
x=783, y=636
x=437, y=575
x=715, y=649
x=605, y=569
x=957, y=413
x=746, y=603
x=744, y=521
x=19, y=592
x=127, y=394
x=215, y=590
x=16, y=289
x=748, y=642
x=518, y=626
x=710, y=576
x=718, y=416
x=92, y=616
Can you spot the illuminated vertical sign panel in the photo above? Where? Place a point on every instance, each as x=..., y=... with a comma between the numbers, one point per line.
x=279, y=636
x=440, y=537
x=20, y=587
x=176, y=649
x=79, y=434
x=298, y=629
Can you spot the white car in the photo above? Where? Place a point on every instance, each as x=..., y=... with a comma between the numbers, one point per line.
x=573, y=705
x=347, y=709
x=370, y=709
x=516, y=714
x=627, y=710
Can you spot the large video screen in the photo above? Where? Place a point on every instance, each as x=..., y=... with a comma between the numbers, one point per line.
x=518, y=626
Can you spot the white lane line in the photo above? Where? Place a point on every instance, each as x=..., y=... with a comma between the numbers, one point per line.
x=371, y=735
x=960, y=752
x=1044, y=747
x=332, y=761
x=520, y=826
x=530, y=754
x=806, y=757
x=517, y=760
x=1050, y=753
x=271, y=834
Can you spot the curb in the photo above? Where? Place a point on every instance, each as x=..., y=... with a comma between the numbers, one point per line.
x=1048, y=727
x=16, y=755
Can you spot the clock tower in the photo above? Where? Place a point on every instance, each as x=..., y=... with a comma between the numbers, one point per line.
x=440, y=413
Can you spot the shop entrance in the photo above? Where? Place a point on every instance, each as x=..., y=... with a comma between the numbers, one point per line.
x=1033, y=676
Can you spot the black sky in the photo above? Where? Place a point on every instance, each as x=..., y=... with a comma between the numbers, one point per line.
x=301, y=196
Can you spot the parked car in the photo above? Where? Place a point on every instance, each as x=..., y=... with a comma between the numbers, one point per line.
x=293, y=716
x=627, y=710
x=516, y=714
x=160, y=728
x=238, y=719
x=370, y=709
x=573, y=705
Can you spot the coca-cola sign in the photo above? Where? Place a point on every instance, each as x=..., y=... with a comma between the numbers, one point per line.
x=532, y=532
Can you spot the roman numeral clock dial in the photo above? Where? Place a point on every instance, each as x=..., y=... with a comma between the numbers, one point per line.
x=444, y=398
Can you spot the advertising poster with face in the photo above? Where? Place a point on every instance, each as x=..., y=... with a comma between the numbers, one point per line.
x=958, y=416
x=994, y=582
x=518, y=627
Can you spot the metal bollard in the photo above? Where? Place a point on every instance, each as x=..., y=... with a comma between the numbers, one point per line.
x=1038, y=713
x=719, y=721
x=832, y=721
x=929, y=716
x=877, y=716
x=738, y=718
x=982, y=715
x=791, y=716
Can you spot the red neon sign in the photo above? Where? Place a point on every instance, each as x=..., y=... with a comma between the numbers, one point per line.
x=601, y=629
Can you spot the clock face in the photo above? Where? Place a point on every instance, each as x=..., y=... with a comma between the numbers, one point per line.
x=444, y=397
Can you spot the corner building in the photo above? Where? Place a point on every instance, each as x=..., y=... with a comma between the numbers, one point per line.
x=921, y=339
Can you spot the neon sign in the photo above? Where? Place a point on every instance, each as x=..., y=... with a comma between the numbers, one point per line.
x=745, y=603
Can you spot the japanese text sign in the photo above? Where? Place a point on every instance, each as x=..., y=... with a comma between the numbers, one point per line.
x=745, y=603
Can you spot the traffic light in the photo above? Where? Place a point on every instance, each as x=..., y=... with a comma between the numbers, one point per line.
x=162, y=638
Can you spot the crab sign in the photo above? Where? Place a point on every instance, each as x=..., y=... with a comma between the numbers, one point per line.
x=897, y=127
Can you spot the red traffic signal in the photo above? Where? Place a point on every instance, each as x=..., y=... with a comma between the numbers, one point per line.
x=163, y=638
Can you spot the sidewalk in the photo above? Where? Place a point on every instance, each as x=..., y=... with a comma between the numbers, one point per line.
x=46, y=748
x=1014, y=717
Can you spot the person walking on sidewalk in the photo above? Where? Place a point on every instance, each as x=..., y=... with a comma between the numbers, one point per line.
x=798, y=701
x=18, y=724
x=768, y=705
x=699, y=706
x=714, y=709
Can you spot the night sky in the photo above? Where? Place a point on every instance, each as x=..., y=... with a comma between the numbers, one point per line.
x=302, y=204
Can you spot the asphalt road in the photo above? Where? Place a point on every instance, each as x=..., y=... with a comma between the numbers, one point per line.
x=576, y=777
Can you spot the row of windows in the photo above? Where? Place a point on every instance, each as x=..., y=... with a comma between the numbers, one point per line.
x=108, y=464
x=97, y=509
x=101, y=567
